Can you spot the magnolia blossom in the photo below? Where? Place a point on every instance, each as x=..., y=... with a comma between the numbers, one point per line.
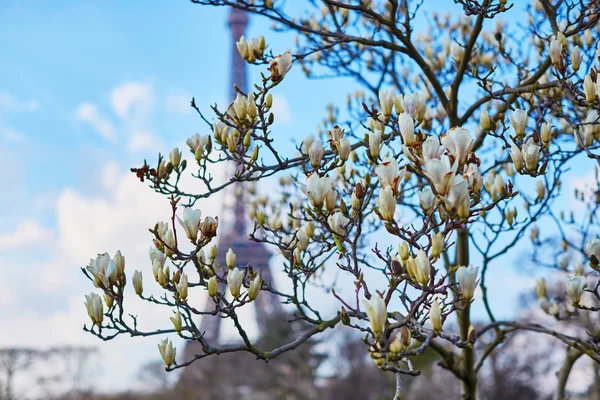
x=459, y=143
x=167, y=352
x=303, y=239
x=427, y=200
x=375, y=143
x=388, y=173
x=546, y=133
x=467, y=280
x=175, y=157
x=576, y=58
x=93, y=304
x=592, y=249
x=235, y=277
x=376, y=312
x=531, y=155
x=473, y=177
x=432, y=149
x=213, y=286
x=104, y=270
x=441, y=173
x=386, y=203
x=280, y=66
x=540, y=189
x=407, y=128
x=437, y=244
x=338, y=223
x=343, y=149
x=484, y=120
x=230, y=257
x=458, y=196
x=198, y=143
x=177, y=321
x=517, y=157
x=316, y=189
x=182, y=287
x=422, y=267
x=519, y=122
x=190, y=222
x=414, y=104
x=575, y=286
x=255, y=286
x=589, y=88
x=435, y=315
x=331, y=199
x=556, y=52
x=137, y=282
x=540, y=288
x=386, y=102
x=315, y=153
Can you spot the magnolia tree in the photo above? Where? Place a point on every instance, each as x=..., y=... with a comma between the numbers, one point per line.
x=453, y=150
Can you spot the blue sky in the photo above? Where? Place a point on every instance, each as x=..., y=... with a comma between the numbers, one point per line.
x=90, y=89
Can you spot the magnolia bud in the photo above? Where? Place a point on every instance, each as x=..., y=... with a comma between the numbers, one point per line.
x=575, y=286
x=230, y=258
x=484, y=120
x=546, y=133
x=540, y=288
x=137, y=283
x=589, y=88
x=212, y=252
x=177, y=322
x=540, y=189
x=403, y=251
x=437, y=244
x=175, y=157
x=576, y=58
x=182, y=287
x=422, y=268
x=269, y=101
x=255, y=287
x=167, y=352
x=235, y=278
x=435, y=315
x=213, y=286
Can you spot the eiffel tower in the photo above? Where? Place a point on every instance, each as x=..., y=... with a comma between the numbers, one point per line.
x=232, y=234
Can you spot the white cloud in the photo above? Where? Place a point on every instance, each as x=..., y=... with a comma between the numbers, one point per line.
x=142, y=141
x=28, y=233
x=179, y=103
x=88, y=112
x=130, y=96
x=7, y=102
x=12, y=135
x=281, y=109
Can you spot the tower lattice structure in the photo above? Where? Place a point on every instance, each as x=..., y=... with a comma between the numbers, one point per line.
x=233, y=233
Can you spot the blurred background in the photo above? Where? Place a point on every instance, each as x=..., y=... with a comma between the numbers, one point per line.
x=90, y=89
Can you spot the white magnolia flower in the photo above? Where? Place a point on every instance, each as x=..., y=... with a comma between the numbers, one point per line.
x=386, y=102
x=190, y=222
x=484, y=120
x=427, y=200
x=386, y=203
x=167, y=352
x=315, y=153
x=338, y=223
x=177, y=321
x=435, y=315
x=230, y=257
x=592, y=248
x=235, y=278
x=441, y=173
x=519, y=122
x=213, y=286
x=473, y=177
x=459, y=142
x=422, y=267
x=255, y=286
x=343, y=149
x=182, y=287
x=467, y=280
x=546, y=132
x=388, y=173
x=575, y=286
x=531, y=155
x=415, y=104
x=589, y=88
x=517, y=157
x=432, y=149
x=375, y=143
x=458, y=195
x=137, y=282
x=104, y=270
x=376, y=312
x=556, y=52
x=93, y=304
x=280, y=66
x=576, y=58
x=407, y=128
x=316, y=189
x=242, y=46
